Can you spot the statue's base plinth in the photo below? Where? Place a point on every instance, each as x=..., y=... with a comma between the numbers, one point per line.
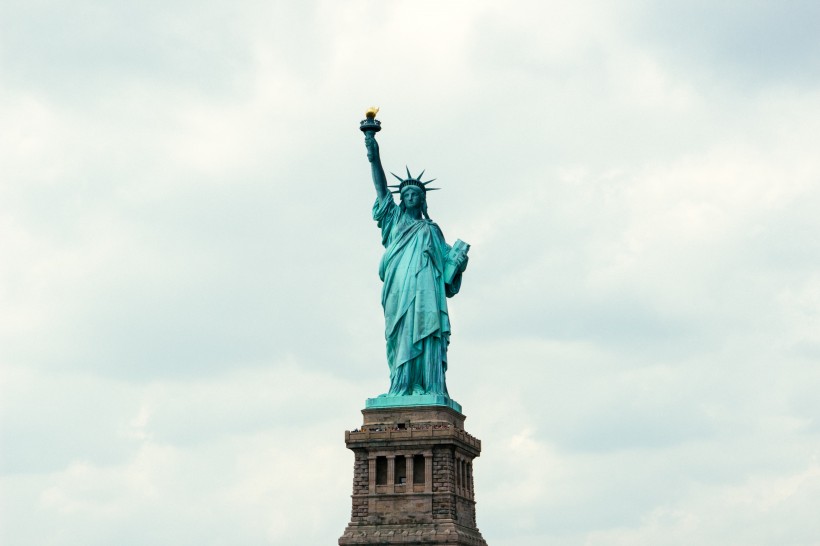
x=412, y=478
x=412, y=400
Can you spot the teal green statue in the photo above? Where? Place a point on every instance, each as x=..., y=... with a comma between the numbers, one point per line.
x=419, y=271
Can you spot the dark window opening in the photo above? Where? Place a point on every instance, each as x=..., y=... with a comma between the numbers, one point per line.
x=418, y=469
x=381, y=470
x=401, y=470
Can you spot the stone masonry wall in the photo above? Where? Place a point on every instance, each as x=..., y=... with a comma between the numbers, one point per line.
x=466, y=512
x=361, y=479
x=444, y=506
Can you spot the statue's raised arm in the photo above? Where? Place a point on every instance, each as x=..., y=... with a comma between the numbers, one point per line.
x=370, y=127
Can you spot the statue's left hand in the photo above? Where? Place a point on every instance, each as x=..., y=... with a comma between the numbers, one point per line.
x=462, y=263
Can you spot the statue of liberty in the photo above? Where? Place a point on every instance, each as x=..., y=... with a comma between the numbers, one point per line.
x=419, y=271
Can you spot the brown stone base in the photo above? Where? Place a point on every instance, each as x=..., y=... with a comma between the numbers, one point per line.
x=440, y=534
x=413, y=479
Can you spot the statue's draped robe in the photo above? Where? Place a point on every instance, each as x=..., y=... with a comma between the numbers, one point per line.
x=417, y=326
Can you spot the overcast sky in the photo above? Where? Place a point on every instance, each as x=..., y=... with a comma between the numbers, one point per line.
x=189, y=297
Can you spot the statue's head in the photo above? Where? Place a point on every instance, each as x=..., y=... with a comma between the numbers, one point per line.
x=413, y=192
x=413, y=197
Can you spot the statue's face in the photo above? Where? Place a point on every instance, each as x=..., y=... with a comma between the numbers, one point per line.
x=412, y=197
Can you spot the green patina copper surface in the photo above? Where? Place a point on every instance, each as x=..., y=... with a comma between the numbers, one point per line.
x=412, y=400
x=415, y=289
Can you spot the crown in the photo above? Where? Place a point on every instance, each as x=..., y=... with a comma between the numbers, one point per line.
x=410, y=181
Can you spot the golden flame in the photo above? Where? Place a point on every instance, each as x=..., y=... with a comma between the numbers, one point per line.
x=371, y=112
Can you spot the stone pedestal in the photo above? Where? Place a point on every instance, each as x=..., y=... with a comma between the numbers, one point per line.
x=413, y=479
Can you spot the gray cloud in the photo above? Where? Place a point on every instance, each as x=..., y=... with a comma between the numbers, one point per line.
x=189, y=269
x=748, y=46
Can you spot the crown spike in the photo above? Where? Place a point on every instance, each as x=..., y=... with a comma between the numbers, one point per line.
x=410, y=181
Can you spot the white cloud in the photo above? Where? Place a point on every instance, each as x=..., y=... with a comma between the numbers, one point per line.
x=244, y=451
x=188, y=281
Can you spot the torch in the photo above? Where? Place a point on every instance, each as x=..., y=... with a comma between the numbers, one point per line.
x=370, y=123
